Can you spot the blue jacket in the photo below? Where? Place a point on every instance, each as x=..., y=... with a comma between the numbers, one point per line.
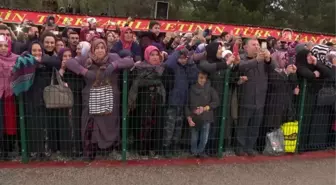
x=135, y=49
x=184, y=77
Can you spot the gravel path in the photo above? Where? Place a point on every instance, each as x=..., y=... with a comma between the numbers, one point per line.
x=294, y=172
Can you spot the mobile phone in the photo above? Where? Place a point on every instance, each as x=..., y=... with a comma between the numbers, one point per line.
x=235, y=50
x=263, y=45
x=55, y=32
x=99, y=30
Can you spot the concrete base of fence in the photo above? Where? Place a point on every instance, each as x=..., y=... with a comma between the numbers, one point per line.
x=166, y=162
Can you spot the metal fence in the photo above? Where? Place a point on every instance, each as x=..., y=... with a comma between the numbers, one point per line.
x=156, y=129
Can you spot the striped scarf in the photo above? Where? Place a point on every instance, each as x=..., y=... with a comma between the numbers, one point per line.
x=320, y=52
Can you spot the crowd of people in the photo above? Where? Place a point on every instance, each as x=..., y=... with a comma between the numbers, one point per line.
x=175, y=90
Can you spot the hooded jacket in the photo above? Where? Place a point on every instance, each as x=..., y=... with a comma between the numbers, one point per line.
x=202, y=96
x=184, y=76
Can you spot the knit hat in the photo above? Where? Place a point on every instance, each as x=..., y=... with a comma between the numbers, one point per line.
x=152, y=24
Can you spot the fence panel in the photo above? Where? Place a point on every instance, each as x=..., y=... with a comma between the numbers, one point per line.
x=151, y=122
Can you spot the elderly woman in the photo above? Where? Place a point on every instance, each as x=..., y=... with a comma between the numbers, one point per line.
x=147, y=93
x=99, y=131
x=8, y=126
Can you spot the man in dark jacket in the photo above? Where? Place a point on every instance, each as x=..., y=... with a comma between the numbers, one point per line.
x=255, y=64
x=185, y=74
x=73, y=41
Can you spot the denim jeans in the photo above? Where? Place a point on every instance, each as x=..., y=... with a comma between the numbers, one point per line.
x=199, y=138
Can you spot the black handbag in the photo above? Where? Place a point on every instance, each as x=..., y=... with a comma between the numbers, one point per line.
x=326, y=95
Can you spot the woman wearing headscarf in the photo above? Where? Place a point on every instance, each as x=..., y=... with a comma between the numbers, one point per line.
x=83, y=49
x=70, y=145
x=99, y=131
x=126, y=42
x=8, y=125
x=40, y=121
x=317, y=118
x=146, y=96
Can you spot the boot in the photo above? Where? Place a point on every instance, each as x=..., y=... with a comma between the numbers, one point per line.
x=167, y=152
x=176, y=149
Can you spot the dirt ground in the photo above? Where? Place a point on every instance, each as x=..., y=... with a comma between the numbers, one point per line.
x=293, y=172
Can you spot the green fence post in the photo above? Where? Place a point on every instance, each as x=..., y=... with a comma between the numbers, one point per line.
x=225, y=97
x=124, y=115
x=24, y=156
x=303, y=90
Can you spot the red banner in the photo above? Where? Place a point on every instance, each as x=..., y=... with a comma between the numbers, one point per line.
x=17, y=16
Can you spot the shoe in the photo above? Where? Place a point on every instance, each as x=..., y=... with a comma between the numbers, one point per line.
x=240, y=152
x=193, y=155
x=203, y=155
x=167, y=152
x=252, y=153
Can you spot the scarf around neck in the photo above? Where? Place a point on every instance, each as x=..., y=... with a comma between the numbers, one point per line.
x=6, y=66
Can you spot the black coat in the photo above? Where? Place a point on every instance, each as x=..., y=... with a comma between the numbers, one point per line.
x=316, y=119
x=252, y=94
x=279, y=100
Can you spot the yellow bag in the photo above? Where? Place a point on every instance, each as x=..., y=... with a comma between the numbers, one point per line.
x=290, y=130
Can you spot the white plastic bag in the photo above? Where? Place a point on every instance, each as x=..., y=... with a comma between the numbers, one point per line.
x=275, y=143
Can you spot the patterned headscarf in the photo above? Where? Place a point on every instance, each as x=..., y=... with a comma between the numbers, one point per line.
x=93, y=58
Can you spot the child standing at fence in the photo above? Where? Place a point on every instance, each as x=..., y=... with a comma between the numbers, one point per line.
x=203, y=99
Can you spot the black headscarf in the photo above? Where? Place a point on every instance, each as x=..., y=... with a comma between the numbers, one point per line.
x=211, y=50
x=30, y=47
x=301, y=59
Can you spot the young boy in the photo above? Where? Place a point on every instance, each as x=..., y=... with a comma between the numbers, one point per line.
x=202, y=101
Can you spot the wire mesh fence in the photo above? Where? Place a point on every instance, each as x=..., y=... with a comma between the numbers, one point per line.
x=164, y=116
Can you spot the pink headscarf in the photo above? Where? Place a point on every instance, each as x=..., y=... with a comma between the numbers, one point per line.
x=126, y=44
x=6, y=64
x=9, y=42
x=149, y=50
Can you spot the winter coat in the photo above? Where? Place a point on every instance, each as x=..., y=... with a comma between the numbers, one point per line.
x=202, y=96
x=135, y=49
x=253, y=92
x=184, y=76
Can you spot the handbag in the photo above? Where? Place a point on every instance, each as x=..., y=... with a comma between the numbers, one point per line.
x=326, y=96
x=101, y=97
x=57, y=96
